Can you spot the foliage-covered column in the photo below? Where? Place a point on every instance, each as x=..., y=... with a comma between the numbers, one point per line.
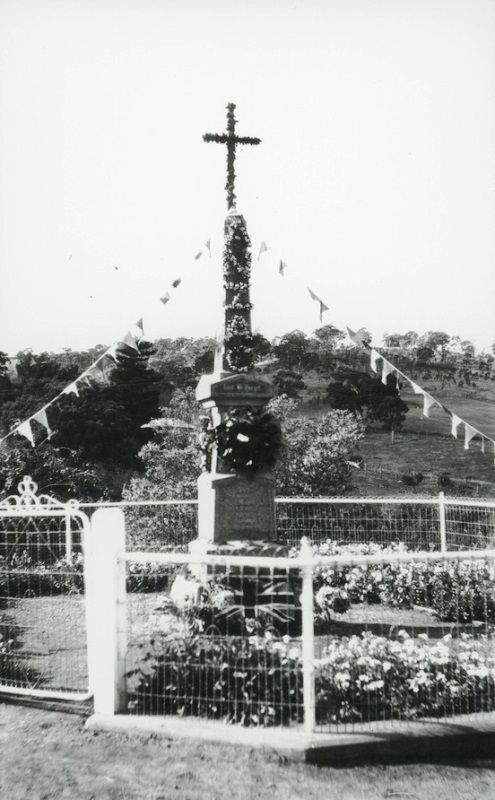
x=239, y=345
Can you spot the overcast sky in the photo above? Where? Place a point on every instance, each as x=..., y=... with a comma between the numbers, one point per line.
x=374, y=181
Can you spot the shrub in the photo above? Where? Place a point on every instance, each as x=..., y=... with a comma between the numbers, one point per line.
x=367, y=678
x=253, y=680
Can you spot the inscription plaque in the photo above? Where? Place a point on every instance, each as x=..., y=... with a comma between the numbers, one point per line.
x=233, y=507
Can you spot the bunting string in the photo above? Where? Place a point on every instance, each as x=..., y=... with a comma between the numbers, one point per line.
x=387, y=368
x=131, y=339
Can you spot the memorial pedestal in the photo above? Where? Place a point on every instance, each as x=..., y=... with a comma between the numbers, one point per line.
x=233, y=507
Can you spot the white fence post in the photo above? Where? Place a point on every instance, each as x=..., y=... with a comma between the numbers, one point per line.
x=106, y=610
x=441, y=516
x=308, y=643
x=68, y=537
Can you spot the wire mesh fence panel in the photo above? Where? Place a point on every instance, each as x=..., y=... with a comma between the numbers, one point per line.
x=43, y=646
x=216, y=642
x=469, y=526
x=39, y=540
x=42, y=609
x=400, y=638
x=414, y=524
x=156, y=526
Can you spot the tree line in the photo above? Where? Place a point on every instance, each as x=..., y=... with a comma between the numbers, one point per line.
x=102, y=440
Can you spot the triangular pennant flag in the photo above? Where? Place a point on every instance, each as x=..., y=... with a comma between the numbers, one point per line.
x=112, y=352
x=355, y=337
x=428, y=402
x=43, y=420
x=208, y=246
x=323, y=307
x=374, y=356
x=387, y=369
x=198, y=255
x=176, y=283
x=130, y=340
x=219, y=354
x=139, y=325
x=25, y=430
x=282, y=267
x=165, y=298
x=71, y=389
x=456, y=421
x=483, y=445
x=263, y=249
x=416, y=389
x=469, y=433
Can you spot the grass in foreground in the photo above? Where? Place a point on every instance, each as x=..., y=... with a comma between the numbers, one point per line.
x=47, y=755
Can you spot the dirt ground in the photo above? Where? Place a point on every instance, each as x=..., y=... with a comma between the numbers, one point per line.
x=47, y=755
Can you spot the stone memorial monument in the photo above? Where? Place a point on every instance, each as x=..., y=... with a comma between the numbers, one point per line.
x=239, y=439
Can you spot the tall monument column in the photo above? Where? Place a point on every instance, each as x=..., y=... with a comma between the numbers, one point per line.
x=240, y=439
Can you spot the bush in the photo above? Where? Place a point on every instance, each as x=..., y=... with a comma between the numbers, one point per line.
x=367, y=678
x=252, y=680
x=457, y=591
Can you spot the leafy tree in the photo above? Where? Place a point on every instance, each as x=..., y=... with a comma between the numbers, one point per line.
x=329, y=336
x=367, y=396
x=261, y=346
x=315, y=458
x=60, y=472
x=105, y=422
x=365, y=335
x=171, y=462
x=288, y=382
x=435, y=341
x=293, y=350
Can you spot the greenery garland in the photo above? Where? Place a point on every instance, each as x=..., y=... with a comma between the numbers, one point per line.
x=248, y=440
x=239, y=350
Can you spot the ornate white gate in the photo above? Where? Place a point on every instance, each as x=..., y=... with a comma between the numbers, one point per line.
x=43, y=639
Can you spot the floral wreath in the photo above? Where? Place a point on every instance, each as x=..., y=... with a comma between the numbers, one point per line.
x=248, y=440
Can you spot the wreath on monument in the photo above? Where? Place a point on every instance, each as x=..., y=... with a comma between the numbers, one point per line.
x=248, y=440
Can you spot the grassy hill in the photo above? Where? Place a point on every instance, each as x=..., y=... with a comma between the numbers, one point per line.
x=423, y=445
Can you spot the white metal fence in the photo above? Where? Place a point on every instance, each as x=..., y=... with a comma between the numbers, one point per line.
x=436, y=523
x=43, y=642
x=360, y=638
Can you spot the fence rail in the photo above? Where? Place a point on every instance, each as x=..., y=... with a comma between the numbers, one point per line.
x=351, y=640
x=438, y=523
x=42, y=601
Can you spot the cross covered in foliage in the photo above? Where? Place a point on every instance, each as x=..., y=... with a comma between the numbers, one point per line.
x=231, y=140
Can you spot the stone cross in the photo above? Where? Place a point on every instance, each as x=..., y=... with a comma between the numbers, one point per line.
x=231, y=140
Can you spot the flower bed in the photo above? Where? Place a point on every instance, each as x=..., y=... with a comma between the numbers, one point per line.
x=258, y=680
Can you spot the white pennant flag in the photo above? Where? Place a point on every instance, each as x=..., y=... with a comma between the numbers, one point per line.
x=84, y=377
x=374, y=356
x=483, y=445
x=71, y=389
x=263, y=249
x=43, y=420
x=219, y=354
x=469, y=433
x=387, y=369
x=112, y=352
x=208, y=246
x=130, y=340
x=416, y=389
x=456, y=421
x=428, y=402
x=25, y=430
x=282, y=267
